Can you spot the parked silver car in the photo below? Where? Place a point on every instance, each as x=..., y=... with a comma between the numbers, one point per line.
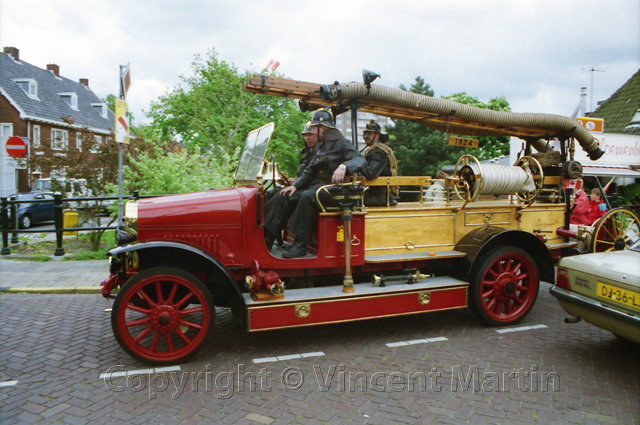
x=603, y=289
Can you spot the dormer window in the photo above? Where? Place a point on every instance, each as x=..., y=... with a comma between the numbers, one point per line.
x=635, y=121
x=71, y=99
x=29, y=86
x=100, y=108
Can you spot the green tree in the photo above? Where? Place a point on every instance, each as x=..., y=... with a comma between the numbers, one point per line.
x=159, y=168
x=489, y=147
x=421, y=150
x=209, y=111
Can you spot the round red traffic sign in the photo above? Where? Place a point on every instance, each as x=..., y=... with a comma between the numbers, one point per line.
x=16, y=147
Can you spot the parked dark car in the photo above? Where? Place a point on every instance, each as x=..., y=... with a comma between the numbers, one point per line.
x=33, y=212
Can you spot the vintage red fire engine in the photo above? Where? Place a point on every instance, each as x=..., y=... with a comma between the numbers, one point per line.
x=180, y=256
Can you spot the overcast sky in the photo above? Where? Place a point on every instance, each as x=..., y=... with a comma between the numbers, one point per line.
x=535, y=53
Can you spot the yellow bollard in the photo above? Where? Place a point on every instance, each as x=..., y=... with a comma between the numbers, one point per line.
x=70, y=219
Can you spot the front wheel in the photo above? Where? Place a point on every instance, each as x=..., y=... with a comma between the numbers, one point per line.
x=504, y=286
x=162, y=315
x=25, y=221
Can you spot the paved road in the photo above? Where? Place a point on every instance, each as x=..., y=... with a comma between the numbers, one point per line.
x=440, y=368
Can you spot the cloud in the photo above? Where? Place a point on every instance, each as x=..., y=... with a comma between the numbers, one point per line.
x=536, y=53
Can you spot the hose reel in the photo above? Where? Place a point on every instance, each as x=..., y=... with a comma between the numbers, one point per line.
x=524, y=179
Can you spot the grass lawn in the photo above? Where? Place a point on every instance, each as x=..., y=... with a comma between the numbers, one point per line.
x=76, y=247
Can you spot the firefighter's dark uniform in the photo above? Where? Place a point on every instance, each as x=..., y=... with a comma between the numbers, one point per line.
x=278, y=209
x=380, y=162
x=327, y=157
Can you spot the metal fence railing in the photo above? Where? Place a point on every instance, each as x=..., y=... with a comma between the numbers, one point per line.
x=11, y=208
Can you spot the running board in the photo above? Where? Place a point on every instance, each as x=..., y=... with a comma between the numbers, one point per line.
x=318, y=306
x=414, y=256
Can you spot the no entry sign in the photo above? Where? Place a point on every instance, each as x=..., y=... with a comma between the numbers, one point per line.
x=16, y=147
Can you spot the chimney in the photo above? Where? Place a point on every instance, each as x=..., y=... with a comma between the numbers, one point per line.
x=54, y=68
x=14, y=52
x=84, y=82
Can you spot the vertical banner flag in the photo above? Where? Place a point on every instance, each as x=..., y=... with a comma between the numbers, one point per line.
x=125, y=80
x=122, y=124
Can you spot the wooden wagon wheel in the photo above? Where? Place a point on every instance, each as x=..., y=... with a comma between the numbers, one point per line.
x=615, y=231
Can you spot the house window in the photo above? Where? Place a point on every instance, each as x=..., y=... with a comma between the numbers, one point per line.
x=36, y=136
x=79, y=141
x=29, y=86
x=59, y=139
x=97, y=144
x=6, y=130
x=100, y=108
x=71, y=99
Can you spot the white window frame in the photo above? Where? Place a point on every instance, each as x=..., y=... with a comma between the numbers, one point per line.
x=36, y=134
x=6, y=130
x=59, y=143
x=94, y=148
x=72, y=99
x=79, y=141
x=31, y=88
x=100, y=108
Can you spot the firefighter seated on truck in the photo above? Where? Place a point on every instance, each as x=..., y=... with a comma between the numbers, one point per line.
x=380, y=162
x=334, y=157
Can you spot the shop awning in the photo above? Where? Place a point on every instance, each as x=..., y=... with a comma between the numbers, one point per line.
x=590, y=170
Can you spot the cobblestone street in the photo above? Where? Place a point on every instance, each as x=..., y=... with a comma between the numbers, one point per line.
x=61, y=363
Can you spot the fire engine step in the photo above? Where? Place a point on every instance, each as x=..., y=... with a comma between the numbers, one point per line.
x=315, y=306
x=413, y=256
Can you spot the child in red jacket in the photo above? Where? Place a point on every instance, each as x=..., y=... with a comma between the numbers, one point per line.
x=597, y=206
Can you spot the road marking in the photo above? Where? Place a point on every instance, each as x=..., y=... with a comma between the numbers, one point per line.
x=416, y=341
x=520, y=329
x=288, y=357
x=8, y=383
x=138, y=372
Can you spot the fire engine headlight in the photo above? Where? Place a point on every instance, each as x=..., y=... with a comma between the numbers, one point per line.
x=127, y=231
x=131, y=210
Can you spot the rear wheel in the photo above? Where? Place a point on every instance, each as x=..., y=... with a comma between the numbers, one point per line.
x=504, y=286
x=162, y=315
x=25, y=221
x=616, y=230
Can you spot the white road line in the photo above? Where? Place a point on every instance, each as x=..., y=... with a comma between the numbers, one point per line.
x=8, y=383
x=138, y=372
x=520, y=329
x=416, y=341
x=288, y=357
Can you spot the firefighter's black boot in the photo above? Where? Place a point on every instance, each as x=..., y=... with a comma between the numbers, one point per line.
x=269, y=239
x=298, y=249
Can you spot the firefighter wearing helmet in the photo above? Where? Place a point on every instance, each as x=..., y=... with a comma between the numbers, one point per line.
x=333, y=159
x=380, y=162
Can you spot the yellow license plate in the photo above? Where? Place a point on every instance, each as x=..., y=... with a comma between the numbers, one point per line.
x=619, y=295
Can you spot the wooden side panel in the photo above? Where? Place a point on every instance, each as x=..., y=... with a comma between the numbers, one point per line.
x=488, y=218
x=543, y=217
x=408, y=231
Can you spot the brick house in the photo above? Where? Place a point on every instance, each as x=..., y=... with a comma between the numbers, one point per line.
x=39, y=104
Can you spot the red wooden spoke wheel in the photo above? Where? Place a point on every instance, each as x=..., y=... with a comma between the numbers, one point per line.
x=505, y=286
x=162, y=315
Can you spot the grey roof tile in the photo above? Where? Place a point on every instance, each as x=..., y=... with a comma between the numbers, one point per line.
x=50, y=107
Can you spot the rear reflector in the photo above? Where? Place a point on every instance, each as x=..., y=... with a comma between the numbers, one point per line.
x=562, y=278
